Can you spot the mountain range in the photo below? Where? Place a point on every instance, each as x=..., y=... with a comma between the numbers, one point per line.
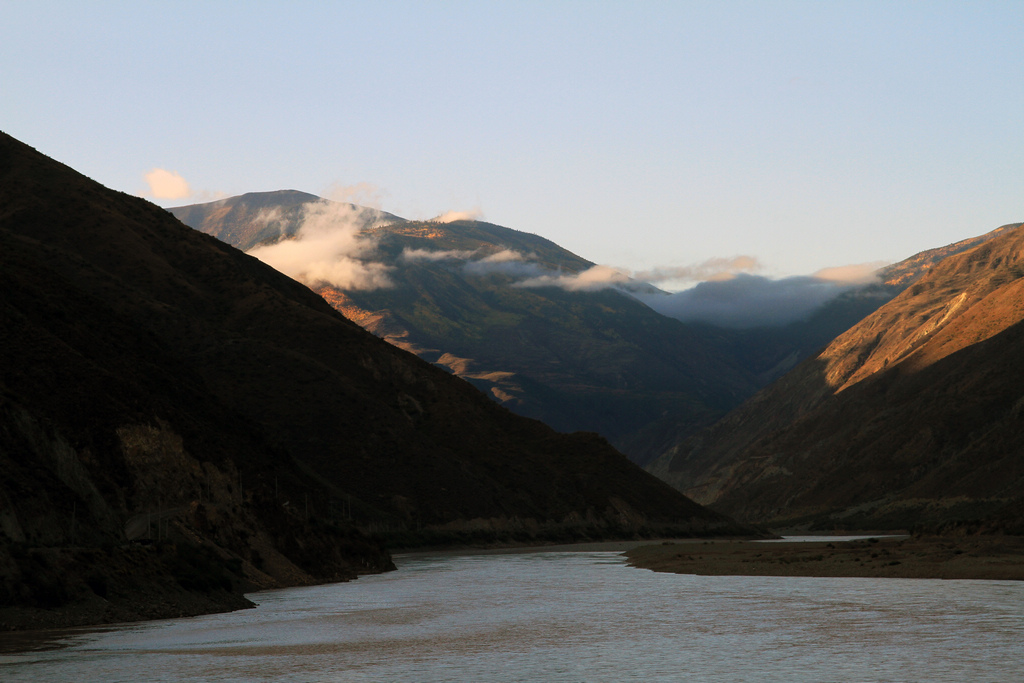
x=516, y=315
x=556, y=353
x=180, y=422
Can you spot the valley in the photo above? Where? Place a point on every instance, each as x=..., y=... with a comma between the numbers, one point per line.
x=150, y=368
x=182, y=423
x=578, y=357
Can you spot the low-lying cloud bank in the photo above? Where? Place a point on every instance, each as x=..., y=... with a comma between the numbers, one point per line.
x=508, y=262
x=748, y=300
x=744, y=300
x=590, y=280
x=436, y=255
x=603, y=277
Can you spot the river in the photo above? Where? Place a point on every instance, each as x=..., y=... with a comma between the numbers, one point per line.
x=566, y=616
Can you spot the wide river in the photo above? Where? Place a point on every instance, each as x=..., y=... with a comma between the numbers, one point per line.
x=566, y=616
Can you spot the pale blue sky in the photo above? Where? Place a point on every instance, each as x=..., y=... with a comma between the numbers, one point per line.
x=805, y=134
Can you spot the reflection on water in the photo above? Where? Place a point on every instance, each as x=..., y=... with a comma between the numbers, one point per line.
x=568, y=616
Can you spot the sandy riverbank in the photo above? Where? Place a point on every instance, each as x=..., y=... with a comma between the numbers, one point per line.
x=977, y=557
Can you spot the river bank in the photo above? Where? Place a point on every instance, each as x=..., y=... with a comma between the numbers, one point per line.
x=974, y=557
x=561, y=617
x=81, y=588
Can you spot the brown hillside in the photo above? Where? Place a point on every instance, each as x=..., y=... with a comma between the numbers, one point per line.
x=910, y=417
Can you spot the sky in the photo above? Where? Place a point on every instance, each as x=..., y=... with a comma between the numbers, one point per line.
x=639, y=135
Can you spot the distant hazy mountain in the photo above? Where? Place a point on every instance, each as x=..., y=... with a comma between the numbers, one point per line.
x=158, y=385
x=910, y=417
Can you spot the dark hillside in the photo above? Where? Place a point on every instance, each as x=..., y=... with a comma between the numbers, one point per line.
x=161, y=387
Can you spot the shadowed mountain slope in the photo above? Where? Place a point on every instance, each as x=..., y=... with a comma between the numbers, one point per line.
x=913, y=416
x=158, y=384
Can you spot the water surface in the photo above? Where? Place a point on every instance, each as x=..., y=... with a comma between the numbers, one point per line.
x=568, y=616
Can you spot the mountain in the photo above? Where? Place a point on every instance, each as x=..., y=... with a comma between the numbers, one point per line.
x=179, y=422
x=912, y=417
x=260, y=217
x=578, y=359
x=765, y=354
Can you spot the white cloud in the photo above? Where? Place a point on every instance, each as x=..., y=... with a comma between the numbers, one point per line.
x=856, y=274
x=328, y=249
x=411, y=255
x=589, y=280
x=506, y=262
x=712, y=269
x=164, y=184
x=504, y=256
x=452, y=216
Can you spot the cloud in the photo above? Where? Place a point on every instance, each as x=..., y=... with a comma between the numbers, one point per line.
x=331, y=247
x=164, y=184
x=726, y=293
x=452, y=216
x=327, y=249
x=712, y=269
x=856, y=274
x=506, y=262
x=746, y=300
x=605, y=277
x=267, y=216
x=504, y=256
x=412, y=255
x=590, y=280
x=515, y=264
